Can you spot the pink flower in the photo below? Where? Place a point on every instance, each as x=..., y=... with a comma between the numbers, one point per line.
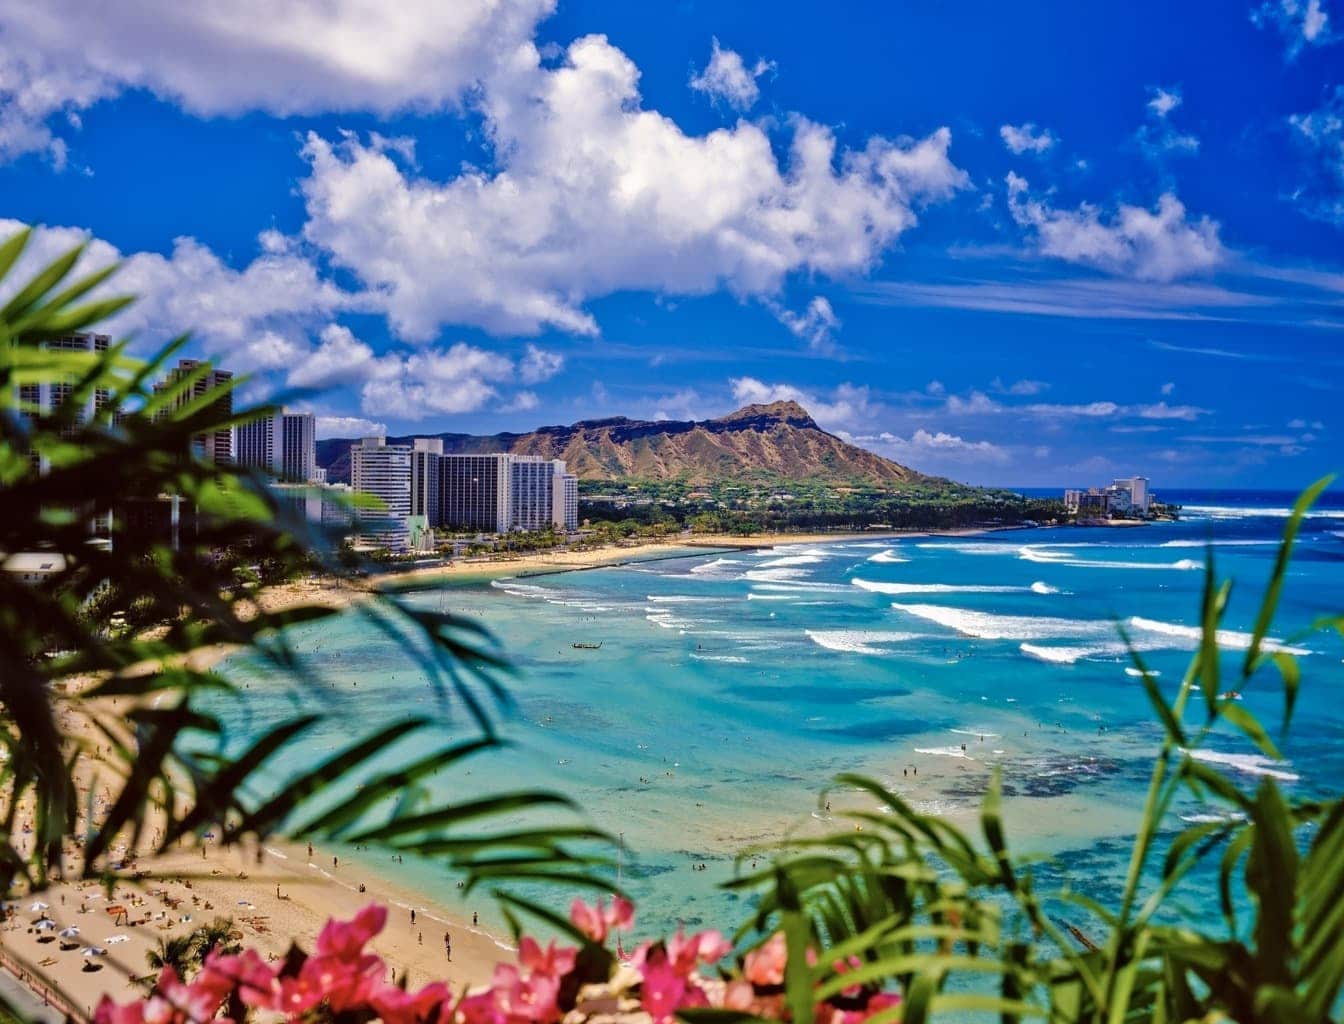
x=665, y=988
x=482, y=1008
x=530, y=998
x=703, y=947
x=346, y=939
x=588, y=919
x=252, y=977
x=396, y=1006
x=595, y=921
x=555, y=962
x=765, y=965
x=622, y=916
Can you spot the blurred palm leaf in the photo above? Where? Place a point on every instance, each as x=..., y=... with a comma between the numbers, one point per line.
x=114, y=439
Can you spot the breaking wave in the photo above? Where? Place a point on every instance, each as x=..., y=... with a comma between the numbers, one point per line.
x=878, y=587
x=857, y=641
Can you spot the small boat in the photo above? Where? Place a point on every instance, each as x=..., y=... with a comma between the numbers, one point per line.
x=580, y=645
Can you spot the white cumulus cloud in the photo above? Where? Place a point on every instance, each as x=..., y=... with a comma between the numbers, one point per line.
x=726, y=77
x=848, y=406
x=295, y=57
x=1300, y=22
x=348, y=426
x=1161, y=244
x=255, y=317
x=1027, y=138
x=816, y=325
x=594, y=195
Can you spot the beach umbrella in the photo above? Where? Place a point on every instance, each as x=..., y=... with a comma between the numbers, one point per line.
x=94, y=951
x=39, y=905
x=45, y=924
x=68, y=933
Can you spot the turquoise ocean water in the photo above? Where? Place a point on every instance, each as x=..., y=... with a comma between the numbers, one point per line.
x=730, y=687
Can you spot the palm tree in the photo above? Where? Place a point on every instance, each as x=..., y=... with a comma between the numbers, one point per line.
x=107, y=439
x=186, y=953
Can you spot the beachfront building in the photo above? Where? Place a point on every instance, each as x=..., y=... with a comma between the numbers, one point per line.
x=531, y=492
x=283, y=444
x=384, y=471
x=566, y=512
x=1130, y=496
x=474, y=492
x=1125, y=498
x=426, y=459
x=45, y=398
x=217, y=445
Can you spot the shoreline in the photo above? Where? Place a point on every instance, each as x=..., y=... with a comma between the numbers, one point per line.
x=276, y=894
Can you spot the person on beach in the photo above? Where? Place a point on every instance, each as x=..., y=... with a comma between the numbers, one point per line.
x=448, y=946
x=412, y=915
x=473, y=919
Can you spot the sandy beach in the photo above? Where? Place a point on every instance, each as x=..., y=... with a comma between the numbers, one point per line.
x=279, y=894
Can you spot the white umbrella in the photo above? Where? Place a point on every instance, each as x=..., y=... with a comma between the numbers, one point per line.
x=39, y=905
x=68, y=933
x=94, y=951
x=45, y=924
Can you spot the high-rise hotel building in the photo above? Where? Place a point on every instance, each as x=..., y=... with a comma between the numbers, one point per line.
x=46, y=397
x=284, y=444
x=217, y=445
x=384, y=471
x=426, y=460
x=474, y=492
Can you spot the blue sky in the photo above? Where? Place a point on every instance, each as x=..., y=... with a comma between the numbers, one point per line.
x=1015, y=244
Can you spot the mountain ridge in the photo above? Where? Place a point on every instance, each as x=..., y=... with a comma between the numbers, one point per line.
x=775, y=441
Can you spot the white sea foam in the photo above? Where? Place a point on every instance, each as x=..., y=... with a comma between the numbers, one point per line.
x=858, y=641
x=976, y=732
x=779, y=574
x=879, y=587
x=1059, y=655
x=669, y=621
x=753, y=596
x=945, y=752
x=971, y=547
x=1203, y=819
x=991, y=626
x=684, y=599
x=1050, y=555
x=799, y=587
x=887, y=557
x=1229, y=543
x=1251, y=764
x=1236, y=512
x=1145, y=634
x=718, y=565
x=1130, y=670
x=1041, y=587
x=727, y=659
x=808, y=559
x=1228, y=638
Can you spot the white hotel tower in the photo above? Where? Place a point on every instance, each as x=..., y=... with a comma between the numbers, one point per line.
x=384, y=471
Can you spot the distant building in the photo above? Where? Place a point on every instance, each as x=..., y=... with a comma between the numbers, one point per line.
x=285, y=445
x=568, y=518
x=383, y=471
x=1128, y=497
x=531, y=493
x=474, y=492
x=46, y=397
x=217, y=445
x=426, y=458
